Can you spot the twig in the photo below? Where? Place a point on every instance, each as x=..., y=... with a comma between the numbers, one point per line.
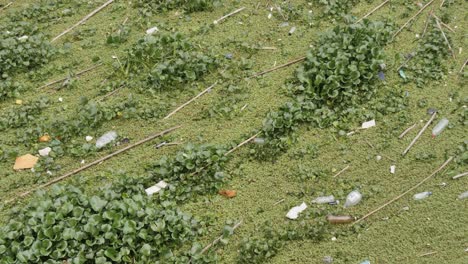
x=110, y=94
x=191, y=100
x=407, y=130
x=406, y=62
x=278, y=67
x=94, y=163
x=228, y=15
x=219, y=238
x=420, y=133
x=460, y=175
x=368, y=143
x=403, y=194
x=341, y=171
x=445, y=37
x=83, y=20
x=278, y=202
x=413, y=17
x=441, y=4
x=6, y=6
x=463, y=66
x=443, y=24
x=241, y=144
x=77, y=74
x=266, y=48
x=427, y=254
x=426, y=24
x=373, y=10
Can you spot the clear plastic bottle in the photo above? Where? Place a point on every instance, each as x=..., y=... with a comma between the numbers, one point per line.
x=463, y=195
x=353, y=198
x=106, y=139
x=324, y=199
x=423, y=195
x=259, y=141
x=443, y=123
x=340, y=219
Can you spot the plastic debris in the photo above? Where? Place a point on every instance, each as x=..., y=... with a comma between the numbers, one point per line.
x=162, y=144
x=443, y=123
x=392, y=169
x=19, y=102
x=353, y=198
x=156, y=188
x=284, y=24
x=324, y=199
x=124, y=141
x=228, y=56
x=25, y=162
x=365, y=262
x=402, y=74
x=340, y=219
x=88, y=138
x=228, y=193
x=463, y=196
x=106, y=139
x=44, y=138
x=259, y=141
x=60, y=99
x=152, y=30
x=23, y=38
x=269, y=16
x=291, y=31
x=423, y=195
x=378, y=157
x=368, y=124
x=381, y=76
x=431, y=111
x=45, y=151
x=327, y=260
x=296, y=210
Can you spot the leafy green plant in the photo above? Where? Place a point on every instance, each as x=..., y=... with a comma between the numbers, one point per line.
x=18, y=117
x=168, y=60
x=113, y=226
x=337, y=8
x=149, y=7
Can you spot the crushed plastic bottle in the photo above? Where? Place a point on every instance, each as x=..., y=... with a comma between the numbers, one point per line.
x=106, y=139
x=463, y=196
x=324, y=199
x=423, y=195
x=353, y=198
x=443, y=123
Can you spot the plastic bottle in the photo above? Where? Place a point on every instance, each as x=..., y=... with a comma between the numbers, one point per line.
x=106, y=139
x=340, y=219
x=259, y=141
x=353, y=198
x=324, y=199
x=440, y=127
x=423, y=195
x=463, y=195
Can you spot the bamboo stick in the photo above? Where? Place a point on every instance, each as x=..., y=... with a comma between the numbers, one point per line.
x=407, y=130
x=406, y=192
x=460, y=175
x=98, y=161
x=278, y=67
x=420, y=133
x=228, y=15
x=82, y=20
x=341, y=171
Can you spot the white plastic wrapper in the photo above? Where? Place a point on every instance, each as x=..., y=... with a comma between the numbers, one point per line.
x=295, y=211
x=368, y=124
x=156, y=188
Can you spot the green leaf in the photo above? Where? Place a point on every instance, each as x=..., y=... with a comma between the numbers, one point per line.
x=97, y=203
x=145, y=250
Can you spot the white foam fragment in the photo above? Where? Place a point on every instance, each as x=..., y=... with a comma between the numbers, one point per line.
x=152, y=30
x=392, y=169
x=368, y=124
x=296, y=210
x=89, y=138
x=156, y=188
x=45, y=151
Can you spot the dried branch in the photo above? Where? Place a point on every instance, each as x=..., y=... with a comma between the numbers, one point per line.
x=278, y=67
x=413, y=17
x=403, y=194
x=6, y=6
x=445, y=37
x=460, y=175
x=228, y=15
x=77, y=74
x=341, y=171
x=373, y=10
x=420, y=133
x=407, y=130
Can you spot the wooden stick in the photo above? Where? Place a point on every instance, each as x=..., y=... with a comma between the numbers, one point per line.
x=413, y=17
x=190, y=101
x=266, y=48
x=427, y=254
x=460, y=175
x=420, y=133
x=407, y=130
x=228, y=15
x=403, y=194
x=94, y=163
x=343, y=170
x=110, y=93
x=83, y=20
x=6, y=6
x=278, y=67
x=373, y=10
x=278, y=202
x=426, y=24
x=77, y=74
x=441, y=4
x=442, y=23
x=242, y=144
x=219, y=238
x=463, y=66
x=406, y=62
x=445, y=37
